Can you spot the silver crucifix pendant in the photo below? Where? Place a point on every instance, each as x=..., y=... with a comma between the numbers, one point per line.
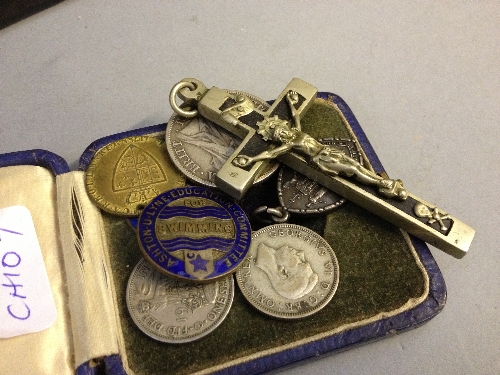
x=276, y=133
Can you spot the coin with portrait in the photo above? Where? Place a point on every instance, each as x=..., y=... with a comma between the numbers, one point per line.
x=290, y=271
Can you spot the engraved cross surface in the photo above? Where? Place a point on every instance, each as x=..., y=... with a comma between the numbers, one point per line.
x=238, y=115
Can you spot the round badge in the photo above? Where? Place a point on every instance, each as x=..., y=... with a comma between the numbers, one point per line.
x=125, y=175
x=194, y=233
x=301, y=195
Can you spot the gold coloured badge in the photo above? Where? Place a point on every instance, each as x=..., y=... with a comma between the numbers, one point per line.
x=127, y=174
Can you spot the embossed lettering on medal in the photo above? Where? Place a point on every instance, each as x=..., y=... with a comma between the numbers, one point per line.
x=175, y=311
x=290, y=272
x=126, y=174
x=199, y=148
x=194, y=233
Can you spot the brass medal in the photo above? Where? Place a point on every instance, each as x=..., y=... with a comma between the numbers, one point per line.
x=127, y=174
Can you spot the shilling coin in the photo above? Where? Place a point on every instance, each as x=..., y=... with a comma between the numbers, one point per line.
x=194, y=233
x=290, y=271
x=199, y=148
x=126, y=174
x=174, y=311
x=301, y=195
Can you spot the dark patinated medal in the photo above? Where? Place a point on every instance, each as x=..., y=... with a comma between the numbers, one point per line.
x=301, y=195
x=194, y=233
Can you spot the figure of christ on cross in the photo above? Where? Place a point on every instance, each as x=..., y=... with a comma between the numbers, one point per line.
x=328, y=159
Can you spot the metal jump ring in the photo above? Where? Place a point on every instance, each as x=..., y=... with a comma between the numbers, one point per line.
x=173, y=103
x=277, y=215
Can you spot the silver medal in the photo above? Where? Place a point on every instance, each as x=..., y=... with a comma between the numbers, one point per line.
x=199, y=148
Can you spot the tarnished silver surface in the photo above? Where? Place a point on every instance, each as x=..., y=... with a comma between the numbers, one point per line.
x=290, y=271
x=238, y=115
x=383, y=196
x=299, y=194
x=328, y=159
x=173, y=311
x=199, y=148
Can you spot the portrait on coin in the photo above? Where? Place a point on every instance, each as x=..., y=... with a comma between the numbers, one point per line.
x=290, y=274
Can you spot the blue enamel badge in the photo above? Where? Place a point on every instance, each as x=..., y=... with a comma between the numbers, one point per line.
x=194, y=233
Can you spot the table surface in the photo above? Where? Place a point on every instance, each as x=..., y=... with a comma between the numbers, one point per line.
x=423, y=80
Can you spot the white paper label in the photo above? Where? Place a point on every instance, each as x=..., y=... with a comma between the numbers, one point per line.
x=26, y=301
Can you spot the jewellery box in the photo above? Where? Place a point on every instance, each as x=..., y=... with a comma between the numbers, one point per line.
x=389, y=281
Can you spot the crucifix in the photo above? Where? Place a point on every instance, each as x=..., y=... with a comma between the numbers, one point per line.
x=276, y=133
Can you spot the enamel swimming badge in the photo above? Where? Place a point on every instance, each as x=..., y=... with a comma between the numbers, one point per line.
x=194, y=233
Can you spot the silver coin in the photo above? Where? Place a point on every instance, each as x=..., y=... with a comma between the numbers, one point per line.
x=290, y=271
x=199, y=148
x=174, y=311
x=301, y=195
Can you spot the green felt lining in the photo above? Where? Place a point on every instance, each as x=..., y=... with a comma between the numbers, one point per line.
x=379, y=274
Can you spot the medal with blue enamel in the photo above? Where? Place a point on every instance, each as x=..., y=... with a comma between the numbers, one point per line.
x=194, y=233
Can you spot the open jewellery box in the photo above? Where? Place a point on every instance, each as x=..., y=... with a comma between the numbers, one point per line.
x=389, y=281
